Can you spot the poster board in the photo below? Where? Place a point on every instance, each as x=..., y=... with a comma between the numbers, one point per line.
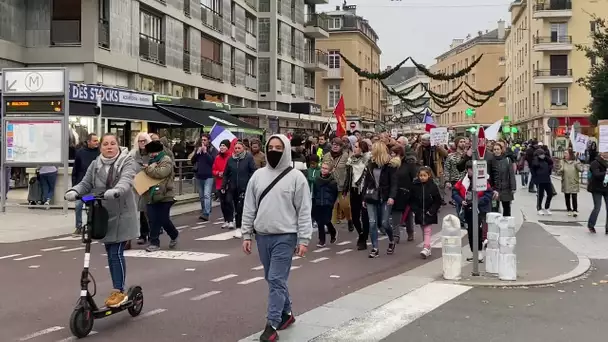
x=439, y=136
x=602, y=144
x=143, y=182
x=33, y=141
x=580, y=143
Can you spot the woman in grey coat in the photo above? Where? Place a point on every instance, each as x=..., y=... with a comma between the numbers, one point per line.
x=112, y=174
x=502, y=179
x=141, y=159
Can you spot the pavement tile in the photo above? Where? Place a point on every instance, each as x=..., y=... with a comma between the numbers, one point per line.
x=358, y=301
x=328, y=317
x=395, y=287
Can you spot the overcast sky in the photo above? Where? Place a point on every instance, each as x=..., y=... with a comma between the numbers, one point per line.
x=424, y=29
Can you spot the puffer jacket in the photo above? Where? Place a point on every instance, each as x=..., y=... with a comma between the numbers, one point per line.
x=570, y=170
x=162, y=171
x=325, y=191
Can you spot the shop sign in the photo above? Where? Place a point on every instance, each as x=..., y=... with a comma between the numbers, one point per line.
x=89, y=93
x=194, y=103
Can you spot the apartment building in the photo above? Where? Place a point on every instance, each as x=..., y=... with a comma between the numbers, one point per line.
x=409, y=116
x=486, y=75
x=352, y=36
x=543, y=66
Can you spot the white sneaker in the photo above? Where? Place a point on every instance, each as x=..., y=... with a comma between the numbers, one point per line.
x=541, y=212
x=425, y=253
x=231, y=225
x=237, y=233
x=548, y=212
x=225, y=225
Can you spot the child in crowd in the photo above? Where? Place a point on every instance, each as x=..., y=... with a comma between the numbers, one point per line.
x=324, y=195
x=313, y=170
x=463, y=195
x=425, y=203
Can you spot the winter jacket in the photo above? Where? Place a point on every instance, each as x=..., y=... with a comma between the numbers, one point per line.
x=219, y=165
x=311, y=175
x=541, y=168
x=161, y=170
x=570, y=171
x=259, y=159
x=406, y=173
x=452, y=166
x=431, y=156
x=338, y=167
x=463, y=186
x=82, y=160
x=325, y=191
x=204, y=163
x=238, y=172
x=598, y=169
x=387, y=184
x=425, y=201
x=502, y=177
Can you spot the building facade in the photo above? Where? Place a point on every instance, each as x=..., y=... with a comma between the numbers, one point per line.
x=543, y=66
x=406, y=118
x=352, y=36
x=486, y=75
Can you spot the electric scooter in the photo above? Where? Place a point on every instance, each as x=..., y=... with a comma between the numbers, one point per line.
x=86, y=310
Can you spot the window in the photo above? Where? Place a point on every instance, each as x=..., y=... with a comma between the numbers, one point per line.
x=279, y=72
x=592, y=26
x=150, y=25
x=293, y=73
x=211, y=49
x=559, y=96
x=333, y=95
x=473, y=78
x=250, y=24
x=334, y=59
x=558, y=32
x=232, y=12
x=104, y=24
x=213, y=5
x=65, y=23
x=335, y=23
x=151, y=42
x=186, y=38
x=250, y=65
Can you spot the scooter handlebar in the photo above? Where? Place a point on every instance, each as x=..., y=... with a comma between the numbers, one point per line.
x=92, y=197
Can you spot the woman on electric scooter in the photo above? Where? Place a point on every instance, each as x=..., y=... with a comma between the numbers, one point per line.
x=112, y=174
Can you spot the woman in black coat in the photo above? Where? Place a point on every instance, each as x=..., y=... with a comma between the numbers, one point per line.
x=406, y=173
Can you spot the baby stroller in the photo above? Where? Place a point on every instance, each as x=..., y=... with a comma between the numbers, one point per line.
x=34, y=193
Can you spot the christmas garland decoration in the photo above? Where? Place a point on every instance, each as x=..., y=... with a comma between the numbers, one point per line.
x=440, y=76
x=370, y=75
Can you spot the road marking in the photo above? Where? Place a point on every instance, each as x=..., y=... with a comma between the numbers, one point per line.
x=199, y=226
x=68, y=238
x=176, y=292
x=295, y=258
x=343, y=243
x=385, y=320
x=294, y=267
x=74, y=338
x=319, y=260
x=206, y=295
x=344, y=251
x=229, y=235
x=382, y=238
x=72, y=249
x=149, y=314
x=228, y=276
x=219, y=222
x=319, y=250
x=201, y=223
x=182, y=227
x=9, y=256
x=249, y=281
x=34, y=266
x=334, y=276
x=257, y=268
x=28, y=257
x=190, y=269
x=40, y=333
x=174, y=255
x=52, y=249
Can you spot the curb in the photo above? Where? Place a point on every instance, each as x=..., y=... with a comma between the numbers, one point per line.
x=584, y=264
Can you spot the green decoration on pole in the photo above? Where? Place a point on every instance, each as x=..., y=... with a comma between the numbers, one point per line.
x=470, y=112
x=514, y=130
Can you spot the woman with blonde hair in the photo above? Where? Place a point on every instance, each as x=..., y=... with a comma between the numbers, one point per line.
x=379, y=194
x=139, y=155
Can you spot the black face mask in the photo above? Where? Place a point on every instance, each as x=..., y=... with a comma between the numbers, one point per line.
x=273, y=158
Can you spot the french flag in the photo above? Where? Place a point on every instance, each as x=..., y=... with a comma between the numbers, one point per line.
x=428, y=120
x=219, y=134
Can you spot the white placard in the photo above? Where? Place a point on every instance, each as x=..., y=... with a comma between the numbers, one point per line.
x=603, y=141
x=480, y=174
x=33, y=81
x=580, y=143
x=33, y=142
x=439, y=136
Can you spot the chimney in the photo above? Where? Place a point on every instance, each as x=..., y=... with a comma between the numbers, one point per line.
x=501, y=29
x=479, y=33
x=456, y=42
x=468, y=36
x=337, y=8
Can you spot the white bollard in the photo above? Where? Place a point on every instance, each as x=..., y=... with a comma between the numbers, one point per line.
x=452, y=248
x=492, y=247
x=507, y=259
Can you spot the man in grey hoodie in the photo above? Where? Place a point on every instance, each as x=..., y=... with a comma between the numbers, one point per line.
x=282, y=222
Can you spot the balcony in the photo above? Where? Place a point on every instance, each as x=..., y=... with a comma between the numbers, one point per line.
x=552, y=9
x=553, y=76
x=316, y=60
x=251, y=82
x=211, y=69
x=553, y=43
x=65, y=32
x=309, y=93
x=253, y=4
x=251, y=41
x=211, y=19
x=316, y=26
x=104, y=34
x=316, y=2
x=151, y=49
x=333, y=74
x=186, y=61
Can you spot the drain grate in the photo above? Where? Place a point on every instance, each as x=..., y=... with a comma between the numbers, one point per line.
x=561, y=223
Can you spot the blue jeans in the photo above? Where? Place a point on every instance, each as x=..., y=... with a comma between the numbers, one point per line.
x=524, y=178
x=79, y=206
x=205, y=188
x=47, y=181
x=597, y=206
x=276, y=251
x=159, y=217
x=379, y=215
x=117, y=264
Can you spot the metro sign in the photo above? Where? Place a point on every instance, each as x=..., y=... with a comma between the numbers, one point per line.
x=481, y=142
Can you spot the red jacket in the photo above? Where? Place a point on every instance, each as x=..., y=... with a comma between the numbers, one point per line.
x=219, y=165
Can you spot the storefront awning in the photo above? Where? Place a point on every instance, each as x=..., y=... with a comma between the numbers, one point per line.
x=208, y=118
x=123, y=113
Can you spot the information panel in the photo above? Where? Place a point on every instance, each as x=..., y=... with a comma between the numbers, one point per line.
x=33, y=106
x=34, y=142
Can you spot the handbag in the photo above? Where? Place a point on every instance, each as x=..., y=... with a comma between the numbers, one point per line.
x=372, y=195
x=269, y=187
x=98, y=221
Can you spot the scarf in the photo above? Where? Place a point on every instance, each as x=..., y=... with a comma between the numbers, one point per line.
x=358, y=164
x=239, y=155
x=156, y=159
x=108, y=165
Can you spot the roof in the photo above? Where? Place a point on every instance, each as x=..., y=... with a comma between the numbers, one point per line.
x=400, y=76
x=490, y=37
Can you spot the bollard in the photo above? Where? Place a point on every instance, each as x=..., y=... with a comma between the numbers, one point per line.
x=492, y=246
x=507, y=260
x=452, y=248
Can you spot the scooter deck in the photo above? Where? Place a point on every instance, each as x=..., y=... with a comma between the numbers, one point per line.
x=107, y=311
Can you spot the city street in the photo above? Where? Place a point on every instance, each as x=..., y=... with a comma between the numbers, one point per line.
x=205, y=290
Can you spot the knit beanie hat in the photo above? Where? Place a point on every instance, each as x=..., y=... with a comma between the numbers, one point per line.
x=226, y=143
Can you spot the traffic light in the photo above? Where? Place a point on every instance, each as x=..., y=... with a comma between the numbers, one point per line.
x=470, y=112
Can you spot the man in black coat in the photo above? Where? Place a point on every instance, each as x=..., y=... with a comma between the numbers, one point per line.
x=532, y=146
x=82, y=160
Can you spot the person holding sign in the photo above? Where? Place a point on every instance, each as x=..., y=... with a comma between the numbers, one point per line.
x=570, y=169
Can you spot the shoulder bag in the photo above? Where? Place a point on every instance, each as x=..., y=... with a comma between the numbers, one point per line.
x=372, y=195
